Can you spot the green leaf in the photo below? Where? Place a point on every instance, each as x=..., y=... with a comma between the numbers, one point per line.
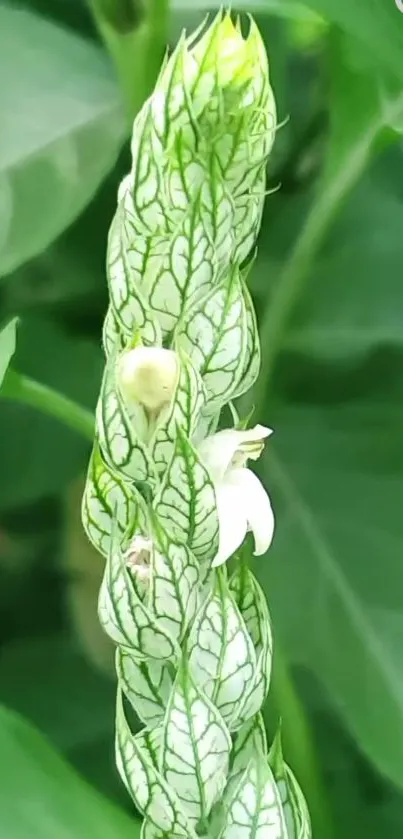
x=252, y=360
x=250, y=740
x=127, y=307
x=8, y=337
x=69, y=702
x=174, y=584
x=113, y=339
x=338, y=305
x=254, y=808
x=120, y=430
x=56, y=454
x=124, y=616
x=147, y=685
x=293, y=802
x=149, y=790
x=358, y=109
x=221, y=654
x=220, y=317
x=185, y=504
x=191, y=251
x=335, y=565
x=253, y=608
x=106, y=496
x=184, y=411
x=62, y=130
x=377, y=28
x=196, y=748
x=352, y=297
x=42, y=797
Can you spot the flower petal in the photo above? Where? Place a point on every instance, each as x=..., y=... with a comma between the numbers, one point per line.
x=232, y=521
x=218, y=450
x=256, y=506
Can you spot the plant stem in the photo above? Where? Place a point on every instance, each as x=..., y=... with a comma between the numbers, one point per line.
x=288, y=289
x=135, y=38
x=21, y=388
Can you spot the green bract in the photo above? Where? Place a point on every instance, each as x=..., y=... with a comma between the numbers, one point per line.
x=167, y=498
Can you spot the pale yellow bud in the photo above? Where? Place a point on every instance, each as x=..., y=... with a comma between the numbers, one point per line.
x=148, y=375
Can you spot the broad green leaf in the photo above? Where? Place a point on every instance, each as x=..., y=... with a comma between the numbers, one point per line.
x=196, y=748
x=362, y=812
x=123, y=614
x=69, y=276
x=343, y=299
x=68, y=701
x=149, y=790
x=351, y=301
x=221, y=654
x=254, y=807
x=378, y=28
x=8, y=336
x=56, y=454
x=337, y=480
x=42, y=797
x=147, y=685
x=185, y=504
x=360, y=107
x=62, y=130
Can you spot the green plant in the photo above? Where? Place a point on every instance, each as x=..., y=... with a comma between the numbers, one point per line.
x=326, y=287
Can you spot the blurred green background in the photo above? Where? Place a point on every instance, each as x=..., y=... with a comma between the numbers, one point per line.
x=328, y=288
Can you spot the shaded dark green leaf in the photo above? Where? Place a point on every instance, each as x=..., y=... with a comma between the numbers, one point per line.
x=42, y=797
x=68, y=701
x=337, y=476
x=353, y=296
x=62, y=128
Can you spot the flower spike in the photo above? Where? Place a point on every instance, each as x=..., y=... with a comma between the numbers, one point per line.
x=170, y=494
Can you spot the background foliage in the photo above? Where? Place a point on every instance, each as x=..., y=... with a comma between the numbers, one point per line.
x=328, y=289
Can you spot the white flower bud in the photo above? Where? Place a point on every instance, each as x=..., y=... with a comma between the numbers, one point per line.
x=138, y=557
x=148, y=375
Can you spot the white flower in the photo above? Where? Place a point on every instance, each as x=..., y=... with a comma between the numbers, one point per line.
x=242, y=502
